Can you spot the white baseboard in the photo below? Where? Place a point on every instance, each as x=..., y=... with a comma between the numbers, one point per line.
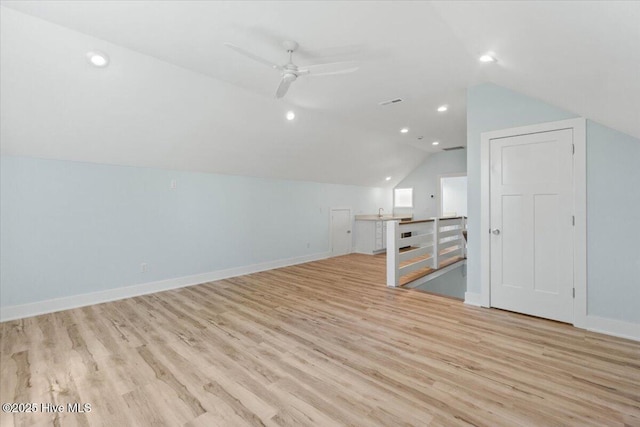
x=75, y=301
x=617, y=328
x=472, y=298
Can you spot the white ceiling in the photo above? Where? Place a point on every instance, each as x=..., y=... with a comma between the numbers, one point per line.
x=175, y=97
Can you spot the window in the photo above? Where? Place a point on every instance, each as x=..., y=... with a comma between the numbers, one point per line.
x=403, y=198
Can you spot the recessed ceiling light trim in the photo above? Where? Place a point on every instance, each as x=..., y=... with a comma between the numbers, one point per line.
x=443, y=108
x=98, y=59
x=388, y=178
x=404, y=130
x=290, y=115
x=435, y=143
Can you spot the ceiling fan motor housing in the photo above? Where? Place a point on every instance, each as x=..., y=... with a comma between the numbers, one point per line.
x=289, y=76
x=290, y=71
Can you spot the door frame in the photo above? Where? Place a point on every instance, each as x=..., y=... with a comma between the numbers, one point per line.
x=578, y=126
x=331, y=228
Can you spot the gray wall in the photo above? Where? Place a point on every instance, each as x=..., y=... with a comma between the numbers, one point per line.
x=451, y=284
x=70, y=228
x=613, y=205
x=425, y=181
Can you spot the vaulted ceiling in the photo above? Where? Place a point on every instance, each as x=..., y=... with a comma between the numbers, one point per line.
x=173, y=96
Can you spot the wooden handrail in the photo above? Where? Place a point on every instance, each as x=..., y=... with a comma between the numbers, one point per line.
x=417, y=221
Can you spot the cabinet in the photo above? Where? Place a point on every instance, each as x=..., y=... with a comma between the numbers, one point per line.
x=371, y=236
x=381, y=236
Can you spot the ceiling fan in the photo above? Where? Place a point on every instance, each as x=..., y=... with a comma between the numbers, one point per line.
x=290, y=71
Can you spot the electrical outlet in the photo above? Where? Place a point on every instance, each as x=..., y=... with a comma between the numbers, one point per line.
x=174, y=184
x=143, y=267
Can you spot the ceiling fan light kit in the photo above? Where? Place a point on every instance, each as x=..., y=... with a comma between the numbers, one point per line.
x=290, y=71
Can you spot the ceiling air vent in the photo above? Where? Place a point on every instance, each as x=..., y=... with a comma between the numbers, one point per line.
x=391, y=101
x=459, y=147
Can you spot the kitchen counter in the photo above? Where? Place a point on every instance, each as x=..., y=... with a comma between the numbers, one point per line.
x=383, y=218
x=371, y=232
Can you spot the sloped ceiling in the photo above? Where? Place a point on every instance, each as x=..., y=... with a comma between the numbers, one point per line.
x=174, y=97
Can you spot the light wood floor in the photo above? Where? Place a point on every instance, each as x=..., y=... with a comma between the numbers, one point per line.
x=324, y=343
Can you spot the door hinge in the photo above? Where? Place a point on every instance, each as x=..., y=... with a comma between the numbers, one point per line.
x=573, y=220
x=574, y=292
x=573, y=148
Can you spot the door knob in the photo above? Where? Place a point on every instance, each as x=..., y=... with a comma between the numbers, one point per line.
x=348, y=231
x=495, y=231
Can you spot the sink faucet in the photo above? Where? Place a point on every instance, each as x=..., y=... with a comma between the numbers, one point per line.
x=380, y=212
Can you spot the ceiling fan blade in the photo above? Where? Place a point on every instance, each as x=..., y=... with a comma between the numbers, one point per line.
x=252, y=56
x=329, y=68
x=337, y=53
x=333, y=73
x=286, y=81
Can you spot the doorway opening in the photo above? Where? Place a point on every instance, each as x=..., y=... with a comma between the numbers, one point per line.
x=453, y=195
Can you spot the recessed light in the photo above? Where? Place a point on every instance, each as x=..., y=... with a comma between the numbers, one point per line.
x=388, y=178
x=487, y=57
x=435, y=143
x=404, y=130
x=98, y=59
x=443, y=108
x=290, y=115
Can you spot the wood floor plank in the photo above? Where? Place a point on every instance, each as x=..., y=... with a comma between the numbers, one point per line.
x=318, y=344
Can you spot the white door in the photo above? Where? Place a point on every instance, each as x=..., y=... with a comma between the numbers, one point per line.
x=532, y=224
x=340, y=231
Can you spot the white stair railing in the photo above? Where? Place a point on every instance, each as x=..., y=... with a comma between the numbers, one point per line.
x=429, y=243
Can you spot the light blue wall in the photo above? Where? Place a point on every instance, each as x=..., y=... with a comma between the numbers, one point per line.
x=425, y=181
x=613, y=206
x=70, y=228
x=613, y=223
